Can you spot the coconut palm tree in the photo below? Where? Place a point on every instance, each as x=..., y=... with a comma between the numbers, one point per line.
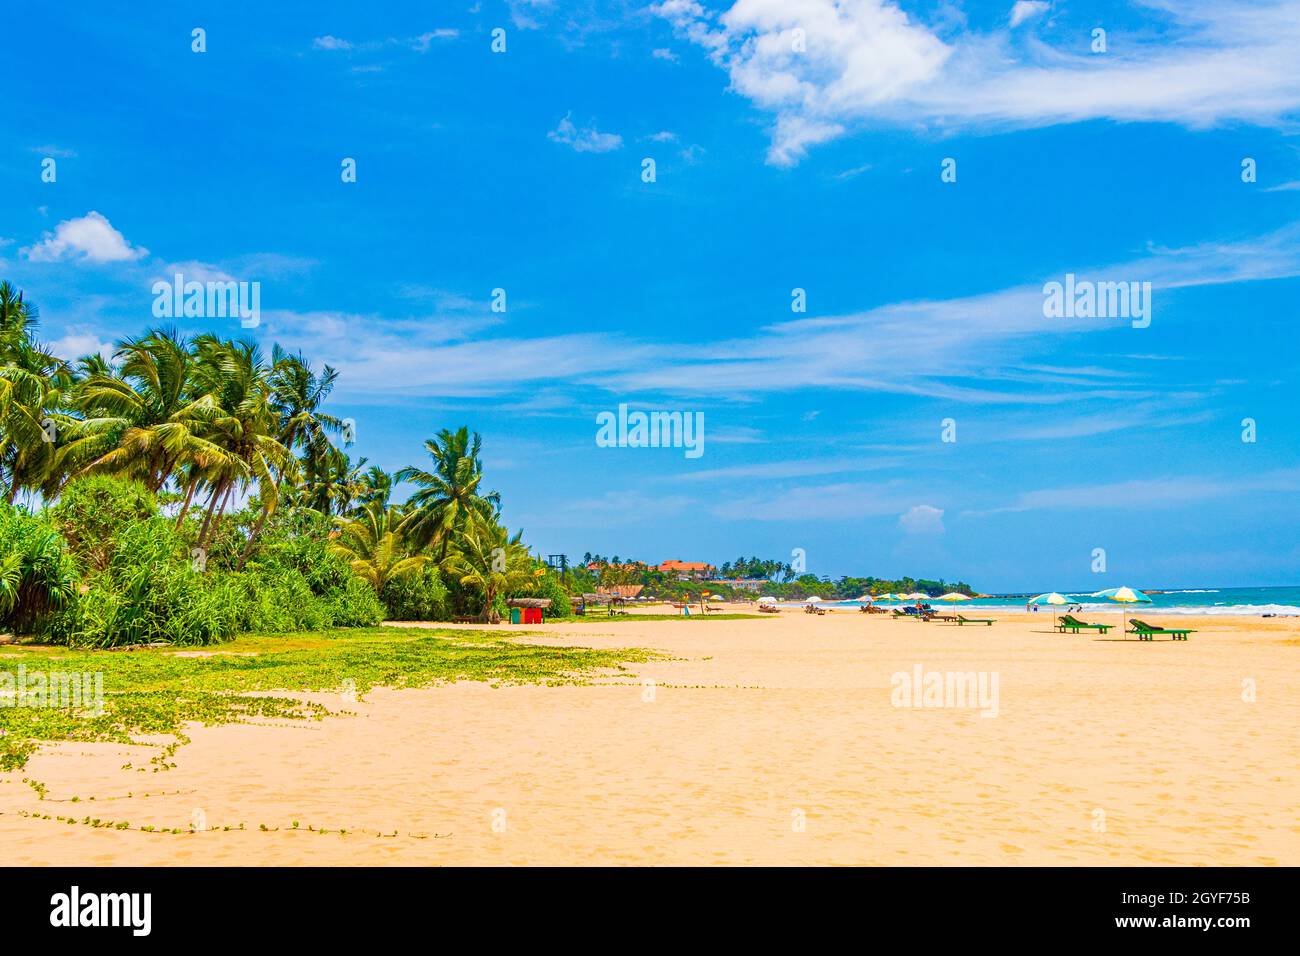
x=492, y=562
x=235, y=374
x=297, y=394
x=144, y=420
x=33, y=389
x=374, y=485
x=373, y=546
x=448, y=496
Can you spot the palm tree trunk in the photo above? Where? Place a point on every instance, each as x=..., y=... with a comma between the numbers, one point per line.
x=255, y=532
x=189, y=497
x=217, y=490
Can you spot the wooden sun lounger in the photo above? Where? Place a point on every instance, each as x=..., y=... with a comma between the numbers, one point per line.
x=1146, y=632
x=1068, y=622
x=974, y=620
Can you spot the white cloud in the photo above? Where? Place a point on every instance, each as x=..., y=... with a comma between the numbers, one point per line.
x=664, y=136
x=76, y=344
x=523, y=12
x=866, y=61
x=1025, y=9
x=585, y=140
x=981, y=349
x=328, y=42
x=662, y=53
x=91, y=238
x=57, y=151
x=422, y=43
x=922, y=519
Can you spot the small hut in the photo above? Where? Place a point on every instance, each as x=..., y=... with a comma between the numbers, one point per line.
x=528, y=610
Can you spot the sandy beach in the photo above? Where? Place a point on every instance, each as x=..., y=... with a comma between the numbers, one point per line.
x=773, y=740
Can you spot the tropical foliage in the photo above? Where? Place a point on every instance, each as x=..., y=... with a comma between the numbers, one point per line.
x=189, y=488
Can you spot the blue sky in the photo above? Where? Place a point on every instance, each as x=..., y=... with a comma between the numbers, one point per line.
x=783, y=161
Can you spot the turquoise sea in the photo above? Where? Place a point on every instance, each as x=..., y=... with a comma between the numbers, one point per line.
x=1210, y=600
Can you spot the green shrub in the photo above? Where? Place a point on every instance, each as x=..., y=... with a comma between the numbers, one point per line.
x=417, y=597
x=37, y=576
x=549, y=586
x=92, y=511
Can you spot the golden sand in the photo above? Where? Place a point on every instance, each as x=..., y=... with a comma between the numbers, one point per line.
x=766, y=741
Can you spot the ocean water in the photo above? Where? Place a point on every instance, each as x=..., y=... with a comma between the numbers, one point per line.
x=1249, y=601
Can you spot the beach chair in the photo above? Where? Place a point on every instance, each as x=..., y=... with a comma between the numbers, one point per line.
x=897, y=612
x=1146, y=632
x=973, y=620
x=943, y=618
x=1068, y=622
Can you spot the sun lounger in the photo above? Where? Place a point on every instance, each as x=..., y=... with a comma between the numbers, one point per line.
x=973, y=620
x=898, y=612
x=1146, y=632
x=1068, y=622
x=813, y=609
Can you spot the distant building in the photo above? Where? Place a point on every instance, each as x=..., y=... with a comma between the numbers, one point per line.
x=743, y=584
x=687, y=570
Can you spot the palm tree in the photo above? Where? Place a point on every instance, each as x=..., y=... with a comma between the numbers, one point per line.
x=448, y=496
x=33, y=387
x=144, y=420
x=373, y=546
x=492, y=562
x=297, y=394
x=374, y=486
x=331, y=481
x=245, y=427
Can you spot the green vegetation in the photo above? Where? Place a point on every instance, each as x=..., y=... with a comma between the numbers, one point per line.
x=190, y=490
x=157, y=692
x=780, y=580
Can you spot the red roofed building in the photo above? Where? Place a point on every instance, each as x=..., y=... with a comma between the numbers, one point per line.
x=687, y=570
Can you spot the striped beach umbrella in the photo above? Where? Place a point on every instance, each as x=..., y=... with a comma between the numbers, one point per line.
x=1051, y=597
x=953, y=596
x=1124, y=595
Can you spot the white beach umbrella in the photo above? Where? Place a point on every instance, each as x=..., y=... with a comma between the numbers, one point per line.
x=767, y=599
x=1123, y=595
x=915, y=596
x=953, y=596
x=813, y=600
x=1049, y=598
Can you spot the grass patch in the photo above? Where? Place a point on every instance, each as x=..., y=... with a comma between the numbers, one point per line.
x=158, y=691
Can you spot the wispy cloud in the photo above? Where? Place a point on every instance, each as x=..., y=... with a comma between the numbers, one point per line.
x=1169, y=491
x=588, y=139
x=866, y=61
x=419, y=43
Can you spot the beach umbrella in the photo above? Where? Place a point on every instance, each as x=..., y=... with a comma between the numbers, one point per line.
x=953, y=596
x=767, y=599
x=715, y=597
x=1124, y=595
x=813, y=600
x=864, y=599
x=1050, y=598
x=915, y=596
x=890, y=597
